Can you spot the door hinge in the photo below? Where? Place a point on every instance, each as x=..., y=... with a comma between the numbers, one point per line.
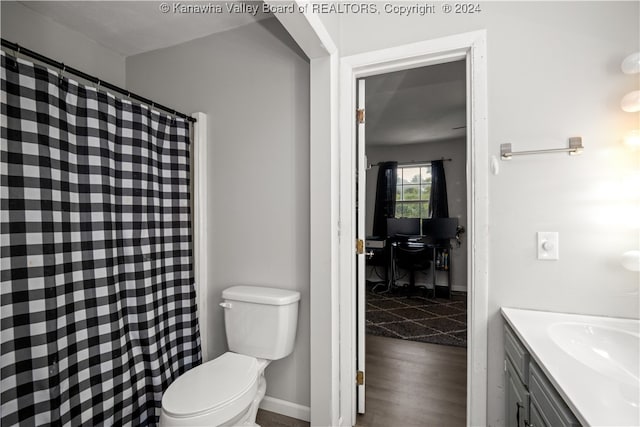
x=360, y=378
x=359, y=246
x=360, y=115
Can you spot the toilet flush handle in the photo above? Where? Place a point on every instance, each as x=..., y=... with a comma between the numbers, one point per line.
x=225, y=304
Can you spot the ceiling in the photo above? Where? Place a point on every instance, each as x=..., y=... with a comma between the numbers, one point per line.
x=132, y=27
x=413, y=106
x=405, y=107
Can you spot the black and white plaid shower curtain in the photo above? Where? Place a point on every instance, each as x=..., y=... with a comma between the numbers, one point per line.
x=98, y=308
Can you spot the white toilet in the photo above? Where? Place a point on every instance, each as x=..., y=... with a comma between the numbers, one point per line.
x=261, y=326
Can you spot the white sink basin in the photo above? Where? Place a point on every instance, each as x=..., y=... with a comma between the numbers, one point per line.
x=592, y=361
x=610, y=351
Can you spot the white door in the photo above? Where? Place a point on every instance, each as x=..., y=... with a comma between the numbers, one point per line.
x=360, y=235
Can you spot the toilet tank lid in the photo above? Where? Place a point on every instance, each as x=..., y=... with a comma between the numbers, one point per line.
x=261, y=295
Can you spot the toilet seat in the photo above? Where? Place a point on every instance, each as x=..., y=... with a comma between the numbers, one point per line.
x=218, y=390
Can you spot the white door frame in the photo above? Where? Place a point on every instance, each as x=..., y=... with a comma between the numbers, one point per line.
x=471, y=46
x=359, y=206
x=310, y=34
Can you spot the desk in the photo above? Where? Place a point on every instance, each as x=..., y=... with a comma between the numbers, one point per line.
x=377, y=249
x=438, y=248
x=446, y=265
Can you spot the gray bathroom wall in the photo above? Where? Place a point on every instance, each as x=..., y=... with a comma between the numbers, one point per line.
x=553, y=72
x=253, y=83
x=41, y=34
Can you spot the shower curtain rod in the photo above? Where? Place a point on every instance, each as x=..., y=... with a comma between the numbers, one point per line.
x=66, y=69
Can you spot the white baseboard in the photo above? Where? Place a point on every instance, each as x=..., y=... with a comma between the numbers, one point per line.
x=459, y=288
x=284, y=407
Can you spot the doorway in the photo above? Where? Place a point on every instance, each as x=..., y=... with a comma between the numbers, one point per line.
x=413, y=118
x=415, y=287
x=469, y=47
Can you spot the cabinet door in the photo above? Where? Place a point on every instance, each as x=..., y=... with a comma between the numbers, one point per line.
x=517, y=410
x=536, y=418
x=551, y=408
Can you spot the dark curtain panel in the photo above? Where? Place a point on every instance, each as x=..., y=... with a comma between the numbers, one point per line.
x=438, y=203
x=98, y=298
x=385, y=206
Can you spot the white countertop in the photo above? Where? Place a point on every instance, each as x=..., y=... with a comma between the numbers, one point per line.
x=595, y=399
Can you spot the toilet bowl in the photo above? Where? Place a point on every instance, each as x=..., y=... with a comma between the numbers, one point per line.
x=213, y=394
x=260, y=324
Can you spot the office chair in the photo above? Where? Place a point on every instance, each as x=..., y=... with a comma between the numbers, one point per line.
x=408, y=255
x=412, y=259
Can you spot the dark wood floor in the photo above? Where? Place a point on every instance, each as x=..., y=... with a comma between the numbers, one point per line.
x=414, y=384
x=409, y=384
x=271, y=419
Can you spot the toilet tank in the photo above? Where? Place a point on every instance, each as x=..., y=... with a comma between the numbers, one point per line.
x=260, y=321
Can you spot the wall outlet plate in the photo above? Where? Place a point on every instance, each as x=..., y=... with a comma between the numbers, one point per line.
x=548, y=248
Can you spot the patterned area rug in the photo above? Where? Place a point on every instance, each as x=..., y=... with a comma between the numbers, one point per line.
x=410, y=315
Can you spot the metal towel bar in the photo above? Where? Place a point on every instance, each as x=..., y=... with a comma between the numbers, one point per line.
x=575, y=147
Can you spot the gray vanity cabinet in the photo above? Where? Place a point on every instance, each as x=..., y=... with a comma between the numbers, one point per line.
x=531, y=399
x=517, y=398
x=549, y=407
x=516, y=363
x=535, y=418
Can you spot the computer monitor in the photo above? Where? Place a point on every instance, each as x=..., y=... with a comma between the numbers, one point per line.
x=403, y=227
x=440, y=228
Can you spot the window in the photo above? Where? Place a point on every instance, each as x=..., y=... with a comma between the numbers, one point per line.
x=412, y=191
